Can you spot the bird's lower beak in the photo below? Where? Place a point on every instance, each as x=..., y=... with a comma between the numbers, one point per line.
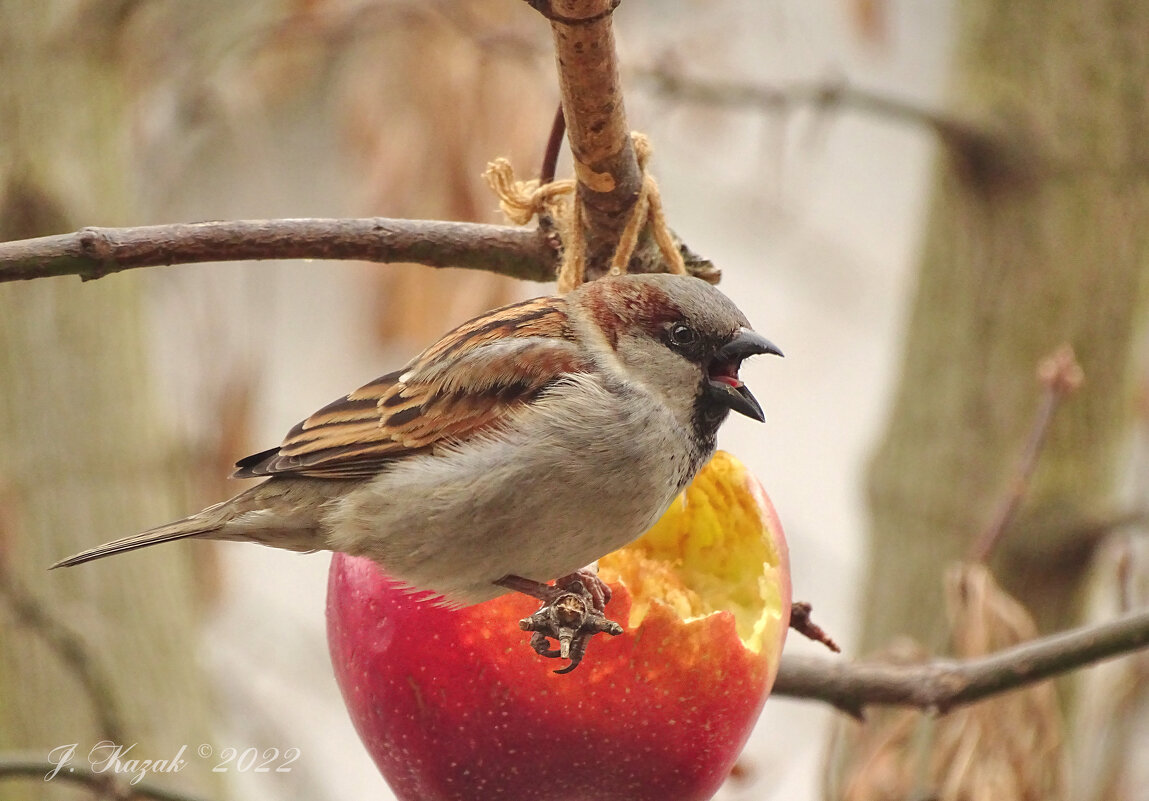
x=738, y=399
x=725, y=386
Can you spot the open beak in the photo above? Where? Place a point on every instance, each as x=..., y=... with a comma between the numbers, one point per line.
x=725, y=385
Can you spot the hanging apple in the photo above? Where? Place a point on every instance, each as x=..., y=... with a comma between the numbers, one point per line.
x=453, y=705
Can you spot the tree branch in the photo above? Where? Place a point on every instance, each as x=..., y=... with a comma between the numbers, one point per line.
x=554, y=145
x=605, y=165
x=941, y=685
x=96, y=252
x=742, y=94
x=822, y=95
x=71, y=649
x=990, y=155
x=1060, y=376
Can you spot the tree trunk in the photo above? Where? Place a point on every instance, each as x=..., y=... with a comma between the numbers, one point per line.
x=1035, y=241
x=82, y=459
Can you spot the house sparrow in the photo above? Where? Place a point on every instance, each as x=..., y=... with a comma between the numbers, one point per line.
x=525, y=444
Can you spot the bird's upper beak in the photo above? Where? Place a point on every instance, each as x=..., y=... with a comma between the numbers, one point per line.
x=725, y=385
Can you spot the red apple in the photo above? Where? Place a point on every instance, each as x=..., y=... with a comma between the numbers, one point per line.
x=453, y=704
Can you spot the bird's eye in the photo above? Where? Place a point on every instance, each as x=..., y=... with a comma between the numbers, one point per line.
x=681, y=335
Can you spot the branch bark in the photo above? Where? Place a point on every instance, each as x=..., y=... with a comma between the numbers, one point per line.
x=605, y=166
x=943, y=684
x=96, y=252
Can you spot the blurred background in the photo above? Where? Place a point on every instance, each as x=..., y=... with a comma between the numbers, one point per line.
x=913, y=278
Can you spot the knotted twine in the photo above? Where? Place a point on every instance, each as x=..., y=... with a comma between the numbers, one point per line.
x=558, y=200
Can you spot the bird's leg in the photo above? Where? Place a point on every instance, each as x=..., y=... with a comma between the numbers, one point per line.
x=587, y=579
x=583, y=580
x=572, y=612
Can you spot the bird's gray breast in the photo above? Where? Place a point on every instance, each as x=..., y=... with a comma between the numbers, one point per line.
x=580, y=472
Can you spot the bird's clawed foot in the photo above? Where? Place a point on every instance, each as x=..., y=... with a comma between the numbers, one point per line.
x=573, y=611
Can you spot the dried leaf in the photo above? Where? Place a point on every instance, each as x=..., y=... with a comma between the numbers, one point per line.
x=1006, y=748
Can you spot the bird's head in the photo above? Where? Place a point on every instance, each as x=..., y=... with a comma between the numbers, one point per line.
x=680, y=338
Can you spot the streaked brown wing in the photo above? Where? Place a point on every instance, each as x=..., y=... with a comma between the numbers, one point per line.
x=462, y=385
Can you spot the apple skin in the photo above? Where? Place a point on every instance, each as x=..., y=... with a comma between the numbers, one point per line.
x=454, y=706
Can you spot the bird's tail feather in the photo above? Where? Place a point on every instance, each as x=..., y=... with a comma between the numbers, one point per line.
x=181, y=529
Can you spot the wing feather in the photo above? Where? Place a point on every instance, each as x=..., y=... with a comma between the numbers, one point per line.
x=464, y=384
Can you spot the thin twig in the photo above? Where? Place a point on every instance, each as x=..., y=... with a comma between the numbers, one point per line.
x=941, y=685
x=554, y=144
x=988, y=155
x=15, y=765
x=822, y=95
x=1060, y=376
x=72, y=650
x=801, y=621
x=96, y=252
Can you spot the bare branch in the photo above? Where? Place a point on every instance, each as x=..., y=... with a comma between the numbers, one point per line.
x=96, y=252
x=826, y=94
x=1060, y=376
x=943, y=684
x=605, y=165
x=72, y=650
x=14, y=765
x=801, y=621
x=991, y=155
x=554, y=144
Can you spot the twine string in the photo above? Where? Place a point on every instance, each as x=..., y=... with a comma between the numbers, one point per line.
x=520, y=201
